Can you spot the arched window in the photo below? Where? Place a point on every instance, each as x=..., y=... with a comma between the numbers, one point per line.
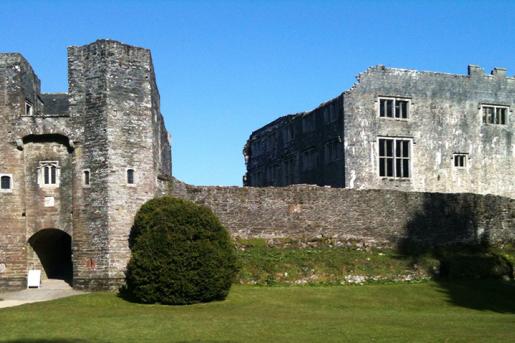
x=5, y=183
x=48, y=173
x=130, y=176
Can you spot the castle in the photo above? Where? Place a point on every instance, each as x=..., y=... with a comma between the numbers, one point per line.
x=397, y=129
x=75, y=167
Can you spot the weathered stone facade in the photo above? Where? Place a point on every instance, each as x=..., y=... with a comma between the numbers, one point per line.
x=66, y=159
x=364, y=217
x=397, y=129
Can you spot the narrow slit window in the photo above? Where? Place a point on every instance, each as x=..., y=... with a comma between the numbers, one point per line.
x=86, y=175
x=5, y=182
x=28, y=108
x=47, y=175
x=130, y=176
x=53, y=175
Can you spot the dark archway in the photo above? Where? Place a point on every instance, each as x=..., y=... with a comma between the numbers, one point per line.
x=49, y=138
x=54, y=251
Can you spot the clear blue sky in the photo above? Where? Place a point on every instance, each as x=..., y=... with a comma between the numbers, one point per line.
x=226, y=68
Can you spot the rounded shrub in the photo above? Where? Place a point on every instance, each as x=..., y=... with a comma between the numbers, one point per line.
x=181, y=254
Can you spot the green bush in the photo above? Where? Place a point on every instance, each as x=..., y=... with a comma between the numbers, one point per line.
x=181, y=254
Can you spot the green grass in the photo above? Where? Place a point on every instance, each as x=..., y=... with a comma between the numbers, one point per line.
x=423, y=312
x=287, y=263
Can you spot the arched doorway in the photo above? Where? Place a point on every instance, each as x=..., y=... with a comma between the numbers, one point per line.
x=53, y=249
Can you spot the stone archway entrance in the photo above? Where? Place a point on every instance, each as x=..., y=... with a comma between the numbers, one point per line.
x=53, y=249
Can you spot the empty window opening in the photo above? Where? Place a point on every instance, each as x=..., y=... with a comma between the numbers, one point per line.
x=332, y=151
x=29, y=109
x=289, y=170
x=130, y=176
x=394, y=158
x=5, y=183
x=309, y=159
x=497, y=115
x=49, y=173
x=288, y=133
x=276, y=175
x=330, y=114
x=393, y=108
x=309, y=123
x=85, y=177
x=460, y=160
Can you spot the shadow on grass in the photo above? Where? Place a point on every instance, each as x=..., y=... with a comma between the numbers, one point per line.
x=483, y=295
x=451, y=238
x=78, y=340
x=51, y=340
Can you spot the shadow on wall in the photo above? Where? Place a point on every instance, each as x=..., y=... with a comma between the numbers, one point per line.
x=450, y=237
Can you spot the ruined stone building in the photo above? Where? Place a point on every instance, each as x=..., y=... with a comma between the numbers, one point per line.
x=397, y=129
x=75, y=167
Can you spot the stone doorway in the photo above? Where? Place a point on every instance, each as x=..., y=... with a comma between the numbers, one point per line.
x=53, y=254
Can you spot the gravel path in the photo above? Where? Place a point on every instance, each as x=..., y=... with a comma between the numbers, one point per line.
x=49, y=290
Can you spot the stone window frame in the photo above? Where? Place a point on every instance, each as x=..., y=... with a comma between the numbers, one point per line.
x=495, y=108
x=394, y=157
x=460, y=158
x=332, y=150
x=395, y=99
x=330, y=114
x=134, y=178
x=309, y=122
x=289, y=166
x=28, y=108
x=288, y=133
x=87, y=178
x=309, y=160
x=255, y=147
x=41, y=174
x=11, y=183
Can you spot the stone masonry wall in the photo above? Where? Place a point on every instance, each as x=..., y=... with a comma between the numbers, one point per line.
x=132, y=121
x=445, y=118
x=107, y=123
x=375, y=217
x=15, y=76
x=88, y=107
x=302, y=148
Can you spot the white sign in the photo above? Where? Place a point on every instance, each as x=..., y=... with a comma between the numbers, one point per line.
x=34, y=278
x=49, y=201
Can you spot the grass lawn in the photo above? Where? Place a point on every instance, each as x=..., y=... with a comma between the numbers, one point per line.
x=262, y=264
x=424, y=312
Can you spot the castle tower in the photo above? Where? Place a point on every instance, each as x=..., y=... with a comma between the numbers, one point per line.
x=18, y=88
x=114, y=95
x=76, y=167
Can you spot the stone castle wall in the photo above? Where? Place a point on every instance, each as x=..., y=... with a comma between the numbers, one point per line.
x=375, y=217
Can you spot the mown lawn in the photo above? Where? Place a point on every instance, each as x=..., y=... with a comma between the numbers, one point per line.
x=425, y=312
